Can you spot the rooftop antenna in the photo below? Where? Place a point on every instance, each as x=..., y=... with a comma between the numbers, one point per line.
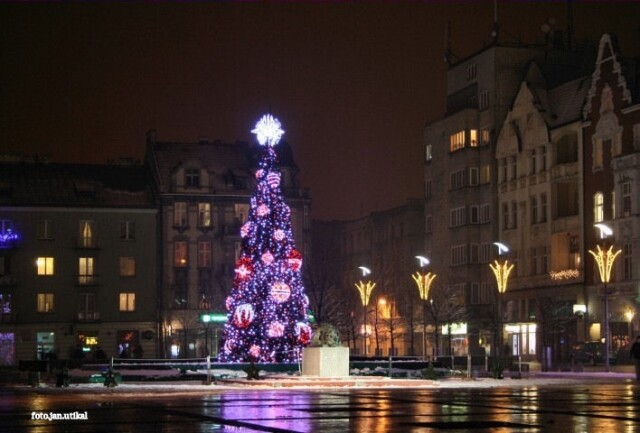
x=570, y=29
x=496, y=27
x=447, y=43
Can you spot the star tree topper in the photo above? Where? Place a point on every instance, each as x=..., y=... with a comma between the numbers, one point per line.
x=268, y=131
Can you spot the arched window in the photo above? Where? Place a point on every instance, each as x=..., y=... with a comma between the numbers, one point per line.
x=598, y=207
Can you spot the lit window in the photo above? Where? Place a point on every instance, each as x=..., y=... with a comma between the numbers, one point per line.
x=485, y=174
x=180, y=214
x=598, y=207
x=180, y=254
x=45, y=265
x=485, y=136
x=428, y=152
x=127, y=230
x=45, y=302
x=456, y=141
x=473, y=137
x=204, y=254
x=87, y=234
x=204, y=215
x=85, y=270
x=240, y=212
x=127, y=267
x=127, y=302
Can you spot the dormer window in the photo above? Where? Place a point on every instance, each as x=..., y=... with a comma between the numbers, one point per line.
x=192, y=178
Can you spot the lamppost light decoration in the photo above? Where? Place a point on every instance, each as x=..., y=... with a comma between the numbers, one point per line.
x=365, y=271
x=423, y=281
x=422, y=261
x=604, y=260
x=605, y=230
x=501, y=271
x=502, y=248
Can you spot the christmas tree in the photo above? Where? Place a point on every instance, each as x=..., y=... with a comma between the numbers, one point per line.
x=267, y=309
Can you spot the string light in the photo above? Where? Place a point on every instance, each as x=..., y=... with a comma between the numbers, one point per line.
x=267, y=319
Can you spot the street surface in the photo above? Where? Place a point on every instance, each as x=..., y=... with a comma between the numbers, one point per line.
x=579, y=407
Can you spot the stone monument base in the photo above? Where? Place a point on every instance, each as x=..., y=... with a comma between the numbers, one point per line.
x=325, y=361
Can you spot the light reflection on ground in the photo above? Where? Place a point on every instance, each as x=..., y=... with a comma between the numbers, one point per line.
x=563, y=409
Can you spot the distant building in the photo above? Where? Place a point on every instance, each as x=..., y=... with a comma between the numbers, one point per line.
x=462, y=175
x=77, y=261
x=611, y=172
x=203, y=190
x=386, y=242
x=540, y=214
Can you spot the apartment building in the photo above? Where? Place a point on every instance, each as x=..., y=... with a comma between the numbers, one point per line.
x=77, y=261
x=203, y=190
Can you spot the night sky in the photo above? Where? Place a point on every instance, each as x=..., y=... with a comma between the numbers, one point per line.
x=353, y=84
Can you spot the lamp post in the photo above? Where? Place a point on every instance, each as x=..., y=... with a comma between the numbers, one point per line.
x=365, y=288
x=501, y=270
x=604, y=259
x=423, y=281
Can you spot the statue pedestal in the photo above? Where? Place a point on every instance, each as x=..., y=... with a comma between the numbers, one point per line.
x=325, y=361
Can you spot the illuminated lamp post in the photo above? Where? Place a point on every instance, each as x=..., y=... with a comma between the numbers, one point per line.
x=365, y=288
x=604, y=259
x=423, y=281
x=501, y=270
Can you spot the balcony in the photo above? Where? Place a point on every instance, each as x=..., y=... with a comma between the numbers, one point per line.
x=84, y=316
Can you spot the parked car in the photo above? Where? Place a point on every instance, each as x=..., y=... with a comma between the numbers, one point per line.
x=591, y=352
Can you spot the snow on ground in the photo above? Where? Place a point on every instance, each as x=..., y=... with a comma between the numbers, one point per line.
x=235, y=381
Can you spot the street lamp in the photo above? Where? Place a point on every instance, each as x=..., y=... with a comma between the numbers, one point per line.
x=501, y=271
x=423, y=281
x=365, y=288
x=604, y=259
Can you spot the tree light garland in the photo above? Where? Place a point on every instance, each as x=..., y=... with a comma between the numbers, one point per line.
x=267, y=320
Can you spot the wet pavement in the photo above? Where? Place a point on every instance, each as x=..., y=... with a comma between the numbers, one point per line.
x=567, y=408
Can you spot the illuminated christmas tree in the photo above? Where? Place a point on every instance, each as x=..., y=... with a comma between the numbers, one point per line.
x=267, y=310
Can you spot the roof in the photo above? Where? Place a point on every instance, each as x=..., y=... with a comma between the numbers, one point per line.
x=567, y=100
x=74, y=185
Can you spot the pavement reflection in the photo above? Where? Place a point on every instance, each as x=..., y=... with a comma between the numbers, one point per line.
x=613, y=407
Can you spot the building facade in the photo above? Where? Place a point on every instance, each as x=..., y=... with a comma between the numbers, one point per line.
x=77, y=261
x=540, y=216
x=386, y=243
x=203, y=189
x=611, y=131
x=462, y=175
